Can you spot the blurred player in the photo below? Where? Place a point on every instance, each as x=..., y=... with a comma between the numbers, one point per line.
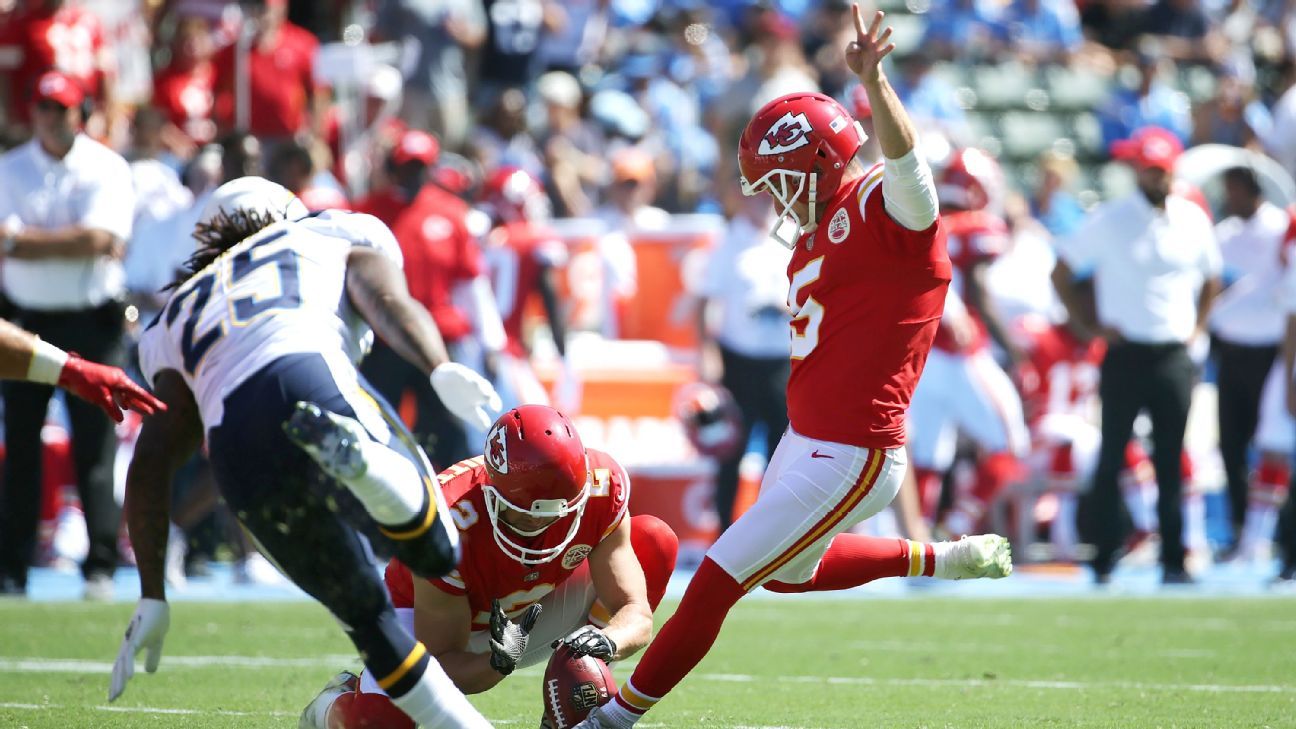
x=868, y=275
x=1059, y=387
x=549, y=554
x=254, y=353
x=965, y=390
x=25, y=356
x=524, y=258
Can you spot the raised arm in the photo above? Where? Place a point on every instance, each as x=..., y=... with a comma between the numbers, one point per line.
x=908, y=190
x=377, y=289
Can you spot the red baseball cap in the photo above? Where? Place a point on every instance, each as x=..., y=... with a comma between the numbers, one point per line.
x=59, y=88
x=1149, y=147
x=415, y=145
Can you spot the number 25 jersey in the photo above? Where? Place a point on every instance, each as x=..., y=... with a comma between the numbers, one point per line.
x=279, y=292
x=866, y=297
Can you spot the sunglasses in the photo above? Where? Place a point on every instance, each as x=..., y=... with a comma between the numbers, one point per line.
x=50, y=105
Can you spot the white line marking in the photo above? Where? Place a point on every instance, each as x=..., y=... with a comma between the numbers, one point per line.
x=49, y=665
x=76, y=665
x=147, y=710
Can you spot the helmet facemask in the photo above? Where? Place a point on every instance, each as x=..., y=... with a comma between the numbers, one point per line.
x=554, y=509
x=776, y=183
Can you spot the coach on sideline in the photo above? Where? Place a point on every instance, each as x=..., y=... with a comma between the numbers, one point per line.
x=65, y=211
x=1156, y=269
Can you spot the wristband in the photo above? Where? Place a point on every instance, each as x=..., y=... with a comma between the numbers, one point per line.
x=46, y=363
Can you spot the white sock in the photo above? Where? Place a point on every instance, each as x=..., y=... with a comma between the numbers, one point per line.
x=613, y=714
x=1194, y=521
x=391, y=488
x=1063, y=531
x=436, y=703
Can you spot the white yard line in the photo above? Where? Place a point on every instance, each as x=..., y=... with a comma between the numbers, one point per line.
x=147, y=710
x=77, y=666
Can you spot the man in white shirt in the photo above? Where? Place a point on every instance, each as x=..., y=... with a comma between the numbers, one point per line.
x=743, y=319
x=66, y=207
x=1156, y=268
x=1246, y=327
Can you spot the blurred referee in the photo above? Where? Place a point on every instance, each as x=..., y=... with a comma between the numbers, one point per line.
x=66, y=206
x=1156, y=268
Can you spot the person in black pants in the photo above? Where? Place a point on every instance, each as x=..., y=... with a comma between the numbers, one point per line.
x=1156, y=267
x=439, y=433
x=759, y=388
x=66, y=206
x=1246, y=328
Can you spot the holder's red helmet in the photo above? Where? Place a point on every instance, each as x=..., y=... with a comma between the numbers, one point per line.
x=796, y=148
x=537, y=467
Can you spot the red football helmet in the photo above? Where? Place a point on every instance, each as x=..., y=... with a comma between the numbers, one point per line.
x=537, y=467
x=796, y=148
x=971, y=181
x=712, y=421
x=511, y=195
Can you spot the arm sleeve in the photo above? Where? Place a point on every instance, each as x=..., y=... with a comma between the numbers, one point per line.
x=909, y=192
x=361, y=229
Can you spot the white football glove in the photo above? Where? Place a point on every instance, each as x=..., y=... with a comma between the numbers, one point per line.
x=147, y=629
x=467, y=394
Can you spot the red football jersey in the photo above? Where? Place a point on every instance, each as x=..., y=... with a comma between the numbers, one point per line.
x=279, y=81
x=1060, y=376
x=972, y=237
x=485, y=573
x=866, y=297
x=385, y=203
x=186, y=96
x=69, y=39
x=440, y=253
x=517, y=255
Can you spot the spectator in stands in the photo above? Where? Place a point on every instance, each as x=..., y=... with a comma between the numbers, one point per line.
x=961, y=30
x=1246, y=328
x=501, y=137
x=1280, y=141
x=572, y=147
x=1042, y=31
x=1112, y=24
x=277, y=69
x=1225, y=118
x=1183, y=31
x=240, y=155
x=576, y=33
x=184, y=90
x=293, y=165
x=65, y=215
x=628, y=207
x=743, y=318
x=52, y=34
x=929, y=99
x=1156, y=267
x=1150, y=103
x=436, y=93
x=148, y=140
x=508, y=58
x=1053, y=203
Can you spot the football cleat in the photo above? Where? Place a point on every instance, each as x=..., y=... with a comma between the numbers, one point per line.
x=981, y=555
x=333, y=441
x=316, y=712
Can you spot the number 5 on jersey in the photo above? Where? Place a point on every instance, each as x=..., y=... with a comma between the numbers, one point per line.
x=806, y=317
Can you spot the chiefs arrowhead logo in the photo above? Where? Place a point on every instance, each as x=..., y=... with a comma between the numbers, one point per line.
x=788, y=133
x=497, y=449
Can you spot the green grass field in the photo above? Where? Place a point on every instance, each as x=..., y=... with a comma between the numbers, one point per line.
x=1159, y=662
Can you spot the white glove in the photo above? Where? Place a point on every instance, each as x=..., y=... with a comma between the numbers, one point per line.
x=147, y=629
x=467, y=394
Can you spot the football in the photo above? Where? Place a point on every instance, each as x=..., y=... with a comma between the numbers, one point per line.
x=573, y=686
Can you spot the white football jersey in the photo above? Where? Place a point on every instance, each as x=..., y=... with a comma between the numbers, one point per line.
x=280, y=292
